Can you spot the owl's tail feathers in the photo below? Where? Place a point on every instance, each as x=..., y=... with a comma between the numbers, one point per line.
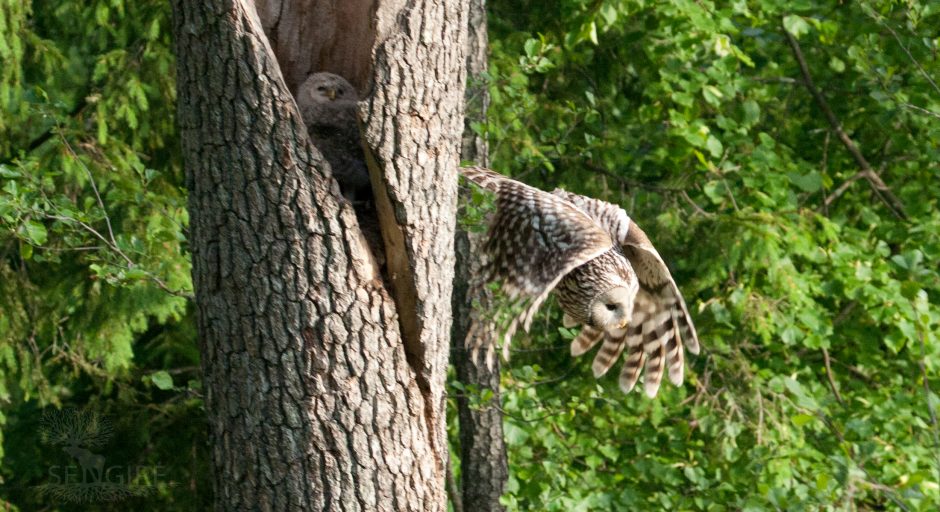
x=484, y=333
x=631, y=367
x=480, y=341
x=614, y=343
x=482, y=330
x=483, y=177
x=687, y=331
x=655, y=364
x=586, y=340
x=674, y=358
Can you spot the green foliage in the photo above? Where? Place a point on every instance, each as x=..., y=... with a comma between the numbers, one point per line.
x=94, y=273
x=693, y=116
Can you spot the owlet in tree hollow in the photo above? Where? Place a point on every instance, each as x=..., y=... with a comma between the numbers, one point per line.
x=606, y=273
x=328, y=105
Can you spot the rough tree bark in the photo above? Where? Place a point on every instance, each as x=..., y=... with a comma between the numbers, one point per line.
x=324, y=385
x=483, y=463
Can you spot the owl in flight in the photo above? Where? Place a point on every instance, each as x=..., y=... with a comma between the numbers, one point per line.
x=328, y=105
x=606, y=274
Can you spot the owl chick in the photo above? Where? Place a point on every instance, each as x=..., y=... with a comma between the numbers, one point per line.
x=328, y=105
x=606, y=274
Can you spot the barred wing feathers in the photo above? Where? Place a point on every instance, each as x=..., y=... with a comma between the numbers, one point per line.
x=535, y=239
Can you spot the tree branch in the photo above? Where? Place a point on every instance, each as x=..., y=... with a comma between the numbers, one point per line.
x=881, y=21
x=878, y=185
x=831, y=378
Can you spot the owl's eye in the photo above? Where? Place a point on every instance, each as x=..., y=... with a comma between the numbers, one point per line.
x=321, y=88
x=610, y=307
x=339, y=92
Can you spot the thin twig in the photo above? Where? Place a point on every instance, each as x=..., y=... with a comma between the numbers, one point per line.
x=111, y=241
x=629, y=183
x=922, y=110
x=48, y=134
x=842, y=188
x=880, y=19
x=878, y=185
x=94, y=188
x=760, y=417
x=824, y=166
x=551, y=380
x=518, y=418
x=696, y=207
x=107, y=220
x=831, y=378
x=846, y=311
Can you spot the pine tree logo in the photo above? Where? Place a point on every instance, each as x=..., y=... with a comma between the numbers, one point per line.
x=82, y=436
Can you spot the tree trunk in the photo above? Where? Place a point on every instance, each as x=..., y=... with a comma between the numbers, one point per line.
x=483, y=464
x=324, y=385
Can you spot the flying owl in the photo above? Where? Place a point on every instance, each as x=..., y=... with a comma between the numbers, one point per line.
x=604, y=270
x=328, y=105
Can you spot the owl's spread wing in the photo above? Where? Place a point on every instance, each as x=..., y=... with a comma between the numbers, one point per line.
x=661, y=322
x=535, y=239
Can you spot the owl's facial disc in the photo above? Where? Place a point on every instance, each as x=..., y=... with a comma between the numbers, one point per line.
x=613, y=309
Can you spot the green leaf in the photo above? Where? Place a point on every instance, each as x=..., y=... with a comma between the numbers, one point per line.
x=751, y=112
x=531, y=47
x=715, y=190
x=795, y=25
x=35, y=232
x=609, y=13
x=722, y=45
x=162, y=380
x=712, y=95
x=802, y=399
x=714, y=146
x=836, y=64
x=809, y=182
x=135, y=274
x=802, y=419
x=6, y=172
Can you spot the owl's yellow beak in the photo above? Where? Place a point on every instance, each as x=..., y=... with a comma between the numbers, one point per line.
x=331, y=93
x=624, y=324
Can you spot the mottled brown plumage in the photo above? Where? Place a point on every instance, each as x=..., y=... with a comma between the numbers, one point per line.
x=328, y=105
x=607, y=274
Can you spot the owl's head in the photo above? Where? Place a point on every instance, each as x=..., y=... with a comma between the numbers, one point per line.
x=613, y=309
x=325, y=87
